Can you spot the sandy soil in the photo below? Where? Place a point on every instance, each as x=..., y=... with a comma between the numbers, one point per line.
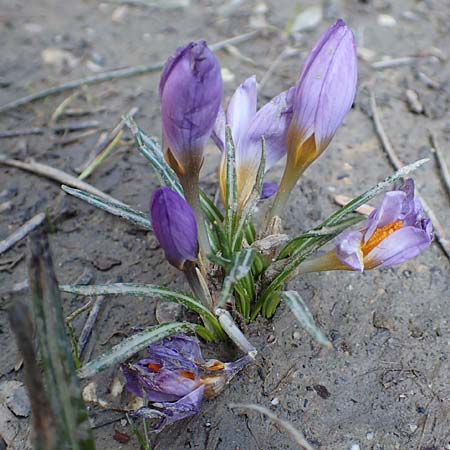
x=386, y=386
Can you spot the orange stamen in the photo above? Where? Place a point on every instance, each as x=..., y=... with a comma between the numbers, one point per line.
x=186, y=374
x=379, y=235
x=154, y=367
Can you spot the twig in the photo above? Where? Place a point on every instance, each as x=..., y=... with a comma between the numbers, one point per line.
x=403, y=61
x=21, y=232
x=89, y=325
x=295, y=434
x=114, y=75
x=365, y=209
x=441, y=161
x=57, y=175
x=286, y=53
x=56, y=129
x=394, y=160
x=6, y=206
x=61, y=107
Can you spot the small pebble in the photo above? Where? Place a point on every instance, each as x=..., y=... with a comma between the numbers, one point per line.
x=413, y=427
x=275, y=401
x=297, y=335
x=355, y=447
x=385, y=20
x=227, y=75
x=370, y=435
x=413, y=101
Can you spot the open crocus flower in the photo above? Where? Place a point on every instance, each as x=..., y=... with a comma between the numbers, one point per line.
x=190, y=92
x=175, y=378
x=323, y=96
x=175, y=226
x=395, y=232
x=247, y=128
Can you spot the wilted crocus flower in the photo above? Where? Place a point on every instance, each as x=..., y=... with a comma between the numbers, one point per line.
x=323, y=96
x=395, y=232
x=191, y=92
x=247, y=128
x=175, y=226
x=175, y=378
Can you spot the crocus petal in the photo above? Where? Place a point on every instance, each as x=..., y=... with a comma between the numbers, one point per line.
x=191, y=93
x=175, y=226
x=218, y=133
x=269, y=189
x=242, y=109
x=186, y=346
x=348, y=250
x=399, y=247
x=272, y=122
x=168, y=412
x=388, y=212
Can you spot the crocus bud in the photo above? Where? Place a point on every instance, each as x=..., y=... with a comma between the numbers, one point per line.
x=175, y=378
x=323, y=96
x=190, y=92
x=175, y=226
x=395, y=232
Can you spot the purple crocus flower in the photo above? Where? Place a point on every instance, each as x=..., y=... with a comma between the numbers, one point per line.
x=175, y=226
x=175, y=378
x=248, y=126
x=190, y=92
x=395, y=232
x=323, y=95
x=269, y=189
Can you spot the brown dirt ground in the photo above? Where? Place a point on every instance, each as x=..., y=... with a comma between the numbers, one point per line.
x=389, y=387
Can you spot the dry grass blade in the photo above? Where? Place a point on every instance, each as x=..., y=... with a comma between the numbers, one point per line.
x=57, y=175
x=295, y=434
x=394, y=160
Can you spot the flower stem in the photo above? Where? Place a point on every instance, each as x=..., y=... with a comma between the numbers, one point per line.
x=192, y=194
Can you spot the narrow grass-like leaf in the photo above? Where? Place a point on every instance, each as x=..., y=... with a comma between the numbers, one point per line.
x=73, y=431
x=255, y=196
x=305, y=318
x=311, y=244
x=290, y=248
x=147, y=290
x=128, y=347
x=119, y=209
x=240, y=266
x=231, y=185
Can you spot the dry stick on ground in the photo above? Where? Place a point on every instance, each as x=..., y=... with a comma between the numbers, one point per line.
x=58, y=129
x=394, y=160
x=115, y=74
x=21, y=232
x=57, y=175
x=89, y=325
x=295, y=434
x=441, y=161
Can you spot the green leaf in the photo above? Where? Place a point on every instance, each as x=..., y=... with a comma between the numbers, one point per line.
x=69, y=413
x=305, y=318
x=148, y=290
x=128, y=347
x=321, y=231
x=119, y=209
x=231, y=185
x=241, y=264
